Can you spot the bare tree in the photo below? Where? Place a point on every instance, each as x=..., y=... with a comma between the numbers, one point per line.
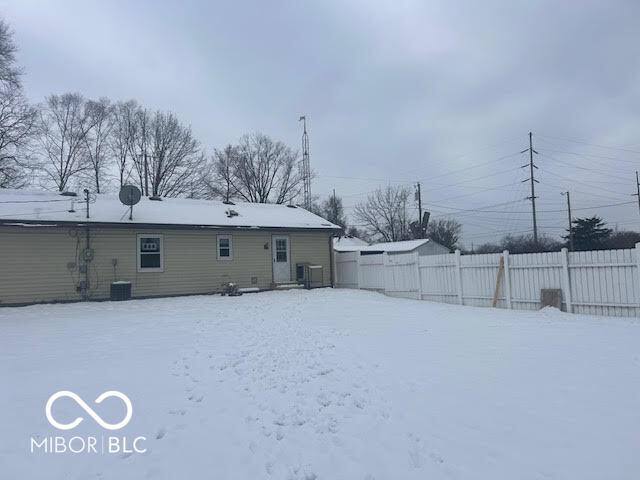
x=165, y=155
x=17, y=117
x=17, y=126
x=9, y=71
x=217, y=176
x=384, y=214
x=139, y=146
x=262, y=171
x=333, y=211
x=65, y=122
x=96, y=140
x=445, y=231
x=120, y=141
x=175, y=156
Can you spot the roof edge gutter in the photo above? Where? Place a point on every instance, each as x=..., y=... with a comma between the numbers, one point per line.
x=168, y=226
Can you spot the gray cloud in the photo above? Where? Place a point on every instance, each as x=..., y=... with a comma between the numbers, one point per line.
x=396, y=90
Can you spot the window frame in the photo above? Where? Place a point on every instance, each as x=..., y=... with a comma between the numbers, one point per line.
x=224, y=237
x=139, y=253
x=285, y=250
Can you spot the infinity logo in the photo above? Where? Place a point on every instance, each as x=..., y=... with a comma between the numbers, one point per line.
x=89, y=410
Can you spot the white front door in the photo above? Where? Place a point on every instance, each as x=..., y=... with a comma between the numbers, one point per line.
x=281, y=260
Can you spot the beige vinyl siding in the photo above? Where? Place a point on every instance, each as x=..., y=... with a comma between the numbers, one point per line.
x=33, y=265
x=311, y=248
x=33, y=261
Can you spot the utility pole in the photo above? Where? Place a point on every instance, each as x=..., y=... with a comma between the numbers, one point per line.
x=306, y=166
x=533, y=181
x=569, y=213
x=637, y=190
x=419, y=198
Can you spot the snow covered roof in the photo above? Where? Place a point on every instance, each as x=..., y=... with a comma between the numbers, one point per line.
x=393, y=247
x=348, y=243
x=404, y=246
x=39, y=207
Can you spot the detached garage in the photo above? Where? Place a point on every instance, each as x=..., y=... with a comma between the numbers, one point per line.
x=50, y=251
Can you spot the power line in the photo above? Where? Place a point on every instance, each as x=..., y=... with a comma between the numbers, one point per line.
x=622, y=149
x=481, y=210
x=583, y=154
x=580, y=167
x=584, y=183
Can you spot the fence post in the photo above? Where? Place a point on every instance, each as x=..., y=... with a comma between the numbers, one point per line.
x=566, y=279
x=385, y=273
x=358, y=270
x=418, y=276
x=459, y=277
x=507, y=279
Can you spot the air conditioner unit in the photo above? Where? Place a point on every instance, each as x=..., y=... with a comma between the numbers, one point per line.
x=309, y=275
x=301, y=272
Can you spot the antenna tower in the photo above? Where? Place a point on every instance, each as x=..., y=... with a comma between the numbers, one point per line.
x=306, y=166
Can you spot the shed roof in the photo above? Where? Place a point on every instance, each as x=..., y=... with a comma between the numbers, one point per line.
x=392, y=247
x=397, y=247
x=348, y=243
x=40, y=207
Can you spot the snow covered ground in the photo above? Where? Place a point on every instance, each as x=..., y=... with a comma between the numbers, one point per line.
x=326, y=384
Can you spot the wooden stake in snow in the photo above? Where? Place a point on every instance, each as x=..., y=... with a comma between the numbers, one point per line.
x=498, y=281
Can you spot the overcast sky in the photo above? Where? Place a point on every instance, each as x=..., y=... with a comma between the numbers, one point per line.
x=443, y=93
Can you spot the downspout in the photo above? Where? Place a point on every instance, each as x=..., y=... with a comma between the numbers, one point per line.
x=331, y=256
x=87, y=257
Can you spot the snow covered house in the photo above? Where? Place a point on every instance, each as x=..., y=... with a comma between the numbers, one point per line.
x=423, y=246
x=51, y=251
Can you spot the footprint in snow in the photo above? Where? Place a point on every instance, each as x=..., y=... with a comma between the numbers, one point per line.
x=161, y=433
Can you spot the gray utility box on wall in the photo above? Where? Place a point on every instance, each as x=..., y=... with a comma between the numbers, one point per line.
x=120, y=291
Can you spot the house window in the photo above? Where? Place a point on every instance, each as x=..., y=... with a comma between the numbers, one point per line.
x=225, y=247
x=150, y=253
x=281, y=250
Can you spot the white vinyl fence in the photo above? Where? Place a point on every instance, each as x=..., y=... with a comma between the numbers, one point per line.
x=602, y=282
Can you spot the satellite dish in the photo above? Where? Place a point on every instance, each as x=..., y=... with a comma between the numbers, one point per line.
x=130, y=195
